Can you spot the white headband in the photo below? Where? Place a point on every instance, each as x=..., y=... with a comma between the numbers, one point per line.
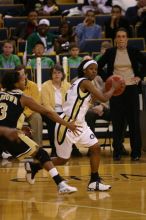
x=88, y=63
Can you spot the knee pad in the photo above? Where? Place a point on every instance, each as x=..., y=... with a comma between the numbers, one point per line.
x=42, y=156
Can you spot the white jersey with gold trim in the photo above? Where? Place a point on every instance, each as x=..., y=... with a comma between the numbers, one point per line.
x=77, y=102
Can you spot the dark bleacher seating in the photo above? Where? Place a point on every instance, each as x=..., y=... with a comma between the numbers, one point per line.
x=54, y=29
x=46, y=75
x=94, y=54
x=74, y=20
x=21, y=47
x=93, y=45
x=14, y=21
x=101, y=19
x=54, y=20
x=138, y=43
x=11, y=9
x=67, y=6
x=73, y=73
x=3, y=33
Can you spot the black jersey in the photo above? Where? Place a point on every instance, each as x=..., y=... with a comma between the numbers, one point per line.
x=10, y=108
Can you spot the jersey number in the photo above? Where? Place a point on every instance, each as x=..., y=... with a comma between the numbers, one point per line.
x=3, y=110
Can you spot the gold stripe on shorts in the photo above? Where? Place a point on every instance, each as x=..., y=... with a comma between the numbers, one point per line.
x=32, y=144
x=62, y=131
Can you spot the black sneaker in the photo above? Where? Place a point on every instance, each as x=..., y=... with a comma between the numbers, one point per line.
x=30, y=172
x=135, y=158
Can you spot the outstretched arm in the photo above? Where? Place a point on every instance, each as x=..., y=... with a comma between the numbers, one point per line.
x=34, y=106
x=9, y=133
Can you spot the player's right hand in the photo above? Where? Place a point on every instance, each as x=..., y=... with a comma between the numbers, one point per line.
x=76, y=129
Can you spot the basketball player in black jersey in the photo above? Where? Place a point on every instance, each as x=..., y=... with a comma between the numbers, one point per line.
x=12, y=103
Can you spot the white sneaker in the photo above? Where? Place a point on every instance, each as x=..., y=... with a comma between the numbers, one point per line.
x=30, y=174
x=97, y=186
x=6, y=155
x=65, y=188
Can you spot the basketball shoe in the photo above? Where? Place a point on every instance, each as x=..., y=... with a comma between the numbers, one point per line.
x=97, y=186
x=64, y=188
x=30, y=172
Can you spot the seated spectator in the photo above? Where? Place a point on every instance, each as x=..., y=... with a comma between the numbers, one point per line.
x=115, y=22
x=99, y=6
x=74, y=59
x=25, y=29
x=42, y=34
x=135, y=13
x=7, y=58
x=104, y=46
x=65, y=37
x=88, y=29
x=34, y=119
x=50, y=8
x=38, y=51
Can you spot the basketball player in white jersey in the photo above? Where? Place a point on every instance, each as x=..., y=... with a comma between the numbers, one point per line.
x=78, y=100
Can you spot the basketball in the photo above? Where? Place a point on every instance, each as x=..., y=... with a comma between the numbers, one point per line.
x=120, y=87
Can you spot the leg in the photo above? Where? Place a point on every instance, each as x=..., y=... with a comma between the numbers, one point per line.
x=51, y=132
x=95, y=183
x=94, y=158
x=118, y=122
x=45, y=163
x=132, y=113
x=35, y=121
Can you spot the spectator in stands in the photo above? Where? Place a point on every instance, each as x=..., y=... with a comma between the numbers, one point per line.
x=99, y=6
x=66, y=36
x=25, y=29
x=125, y=61
x=104, y=46
x=34, y=119
x=7, y=58
x=38, y=51
x=50, y=8
x=135, y=14
x=88, y=29
x=42, y=34
x=116, y=21
x=74, y=59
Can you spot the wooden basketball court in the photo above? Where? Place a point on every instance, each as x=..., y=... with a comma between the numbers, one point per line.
x=125, y=201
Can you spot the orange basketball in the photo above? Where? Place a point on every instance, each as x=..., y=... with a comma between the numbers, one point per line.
x=121, y=84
